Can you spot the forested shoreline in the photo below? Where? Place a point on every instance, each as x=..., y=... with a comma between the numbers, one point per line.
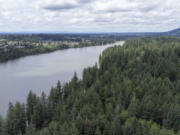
x=135, y=90
x=14, y=46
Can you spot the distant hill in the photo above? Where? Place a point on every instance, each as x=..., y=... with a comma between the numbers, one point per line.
x=175, y=32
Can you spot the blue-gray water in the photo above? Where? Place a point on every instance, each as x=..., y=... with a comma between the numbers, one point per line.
x=39, y=72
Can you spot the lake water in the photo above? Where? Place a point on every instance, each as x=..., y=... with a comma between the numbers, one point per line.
x=39, y=72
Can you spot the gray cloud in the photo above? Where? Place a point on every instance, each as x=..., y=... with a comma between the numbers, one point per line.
x=114, y=10
x=148, y=8
x=139, y=8
x=60, y=7
x=85, y=1
x=67, y=6
x=102, y=20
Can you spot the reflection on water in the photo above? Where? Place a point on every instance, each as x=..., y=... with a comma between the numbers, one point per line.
x=39, y=72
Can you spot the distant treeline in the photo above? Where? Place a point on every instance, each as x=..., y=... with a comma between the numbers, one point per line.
x=34, y=43
x=63, y=37
x=83, y=40
x=134, y=91
x=13, y=53
x=92, y=36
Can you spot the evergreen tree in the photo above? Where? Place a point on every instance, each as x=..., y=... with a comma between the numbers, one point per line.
x=31, y=101
x=16, y=119
x=173, y=117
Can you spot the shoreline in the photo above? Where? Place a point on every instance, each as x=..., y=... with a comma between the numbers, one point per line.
x=53, y=50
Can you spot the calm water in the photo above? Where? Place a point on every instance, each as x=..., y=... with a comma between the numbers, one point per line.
x=39, y=72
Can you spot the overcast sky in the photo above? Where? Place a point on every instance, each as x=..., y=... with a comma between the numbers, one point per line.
x=89, y=15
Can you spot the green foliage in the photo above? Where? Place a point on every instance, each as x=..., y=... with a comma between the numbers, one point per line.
x=135, y=90
x=173, y=117
x=31, y=102
x=30, y=130
x=16, y=119
x=2, y=126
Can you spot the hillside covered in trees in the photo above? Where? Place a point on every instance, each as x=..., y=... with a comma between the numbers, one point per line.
x=134, y=90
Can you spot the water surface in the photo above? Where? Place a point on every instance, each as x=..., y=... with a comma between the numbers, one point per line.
x=39, y=72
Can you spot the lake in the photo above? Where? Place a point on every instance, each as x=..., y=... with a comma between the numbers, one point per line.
x=40, y=72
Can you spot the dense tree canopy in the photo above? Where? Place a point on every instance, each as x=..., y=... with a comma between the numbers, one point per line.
x=134, y=90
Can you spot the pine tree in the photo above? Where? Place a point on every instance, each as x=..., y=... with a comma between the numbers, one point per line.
x=16, y=119
x=37, y=117
x=173, y=117
x=10, y=123
x=59, y=93
x=31, y=101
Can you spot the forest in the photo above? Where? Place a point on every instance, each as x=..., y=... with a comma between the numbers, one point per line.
x=133, y=90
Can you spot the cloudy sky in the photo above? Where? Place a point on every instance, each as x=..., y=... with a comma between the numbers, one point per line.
x=89, y=15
